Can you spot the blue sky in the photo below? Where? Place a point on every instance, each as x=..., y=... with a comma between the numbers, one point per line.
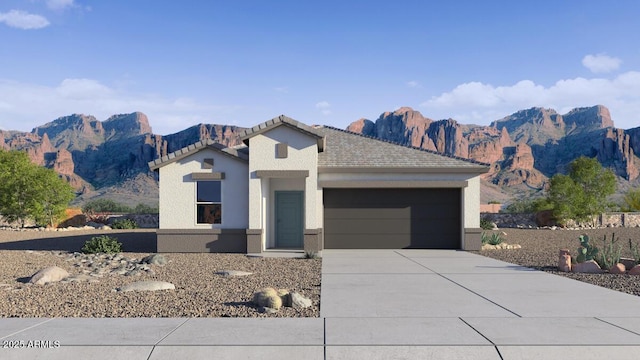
x=329, y=62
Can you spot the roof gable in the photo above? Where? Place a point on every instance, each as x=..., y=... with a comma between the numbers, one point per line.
x=282, y=120
x=235, y=153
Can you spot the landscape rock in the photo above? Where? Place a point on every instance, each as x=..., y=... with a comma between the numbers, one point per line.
x=628, y=263
x=233, y=273
x=267, y=297
x=587, y=267
x=635, y=270
x=155, y=259
x=564, y=263
x=299, y=302
x=148, y=286
x=48, y=275
x=618, y=269
x=285, y=296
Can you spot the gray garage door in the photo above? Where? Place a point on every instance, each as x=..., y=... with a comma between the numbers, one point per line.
x=392, y=218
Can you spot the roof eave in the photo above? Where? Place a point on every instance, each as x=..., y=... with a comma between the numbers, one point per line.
x=412, y=170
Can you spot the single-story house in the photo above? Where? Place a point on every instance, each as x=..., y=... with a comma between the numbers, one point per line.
x=294, y=186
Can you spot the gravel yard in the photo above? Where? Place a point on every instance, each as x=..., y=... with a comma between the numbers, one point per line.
x=540, y=251
x=199, y=291
x=202, y=293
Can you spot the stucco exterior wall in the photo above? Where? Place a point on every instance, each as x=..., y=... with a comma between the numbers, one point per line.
x=472, y=203
x=302, y=155
x=178, y=192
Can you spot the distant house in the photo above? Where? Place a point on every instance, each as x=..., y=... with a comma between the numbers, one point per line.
x=292, y=186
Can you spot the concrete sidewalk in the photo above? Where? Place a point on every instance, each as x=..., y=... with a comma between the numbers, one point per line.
x=375, y=304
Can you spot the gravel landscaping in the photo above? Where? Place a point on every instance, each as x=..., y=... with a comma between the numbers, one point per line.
x=199, y=290
x=202, y=289
x=540, y=251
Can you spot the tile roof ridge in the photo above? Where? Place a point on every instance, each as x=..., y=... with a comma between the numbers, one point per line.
x=407, y=146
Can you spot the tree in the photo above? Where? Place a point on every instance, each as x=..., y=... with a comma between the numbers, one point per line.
x=28, y=191
x=632, y=200
x=583, y=192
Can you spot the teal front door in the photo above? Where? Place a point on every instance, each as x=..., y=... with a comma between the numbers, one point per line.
x=289, y=219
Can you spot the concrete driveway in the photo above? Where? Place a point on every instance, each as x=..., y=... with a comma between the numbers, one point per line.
x=375, y=304
x=441, y=304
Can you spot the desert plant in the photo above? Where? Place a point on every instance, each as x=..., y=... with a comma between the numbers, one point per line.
x=310, y=255
x=102, y=244
x=586, y=251
x=493, y=239
x=124, y=224
x=610, y=253
x=634, y=248
x=486, y=224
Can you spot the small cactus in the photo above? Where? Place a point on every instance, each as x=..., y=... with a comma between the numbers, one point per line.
x=586, y=251
x=268, y=297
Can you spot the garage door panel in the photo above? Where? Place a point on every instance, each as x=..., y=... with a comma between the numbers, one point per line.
x=392, y=218
x=366, y=214
x=376, y=241
x=374, y=226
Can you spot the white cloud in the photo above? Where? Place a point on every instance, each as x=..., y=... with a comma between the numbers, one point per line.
x=476, y=102
x=413, y=84
x=601, y=63
x=59, y=4
x=25, y=106
x=23, y=20
x=324, y=107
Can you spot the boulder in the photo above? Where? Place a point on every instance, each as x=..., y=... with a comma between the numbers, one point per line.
x=155, y=259
x=618, y=269
x=299, y=302
x=564, y=263
x=635, y=270
x=48, y=275
x=285, y=296
x=233, y=273
x=587, y=267
x=628, y=263
x=148, y=286
x=267, y=297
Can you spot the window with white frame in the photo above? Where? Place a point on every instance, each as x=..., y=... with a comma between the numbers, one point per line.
x=209, y=202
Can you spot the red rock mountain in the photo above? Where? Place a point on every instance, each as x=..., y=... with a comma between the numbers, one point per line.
x=109, y=158
x=524, y=149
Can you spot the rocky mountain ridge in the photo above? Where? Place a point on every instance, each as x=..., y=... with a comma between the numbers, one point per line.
x=524, y=149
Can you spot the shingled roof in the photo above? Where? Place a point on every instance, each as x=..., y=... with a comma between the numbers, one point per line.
x=279, y=121
x=235, y=152
x=345, y=150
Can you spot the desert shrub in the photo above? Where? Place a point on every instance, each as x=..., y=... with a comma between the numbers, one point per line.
x=493, y=239
x=124, y=224
x=310, y=255
x=634, y=249
x=610, y=254
x=104, y=206
x=102, y=244
x=485, y=223
x=631, y=200
x=527, y=206
x=145, y=209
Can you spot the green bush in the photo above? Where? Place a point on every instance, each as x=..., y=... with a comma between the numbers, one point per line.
x=486, y=224
x=124, y=224
x=493, y=239
x=102, y=244
x=527, y=206
x=105, y=206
